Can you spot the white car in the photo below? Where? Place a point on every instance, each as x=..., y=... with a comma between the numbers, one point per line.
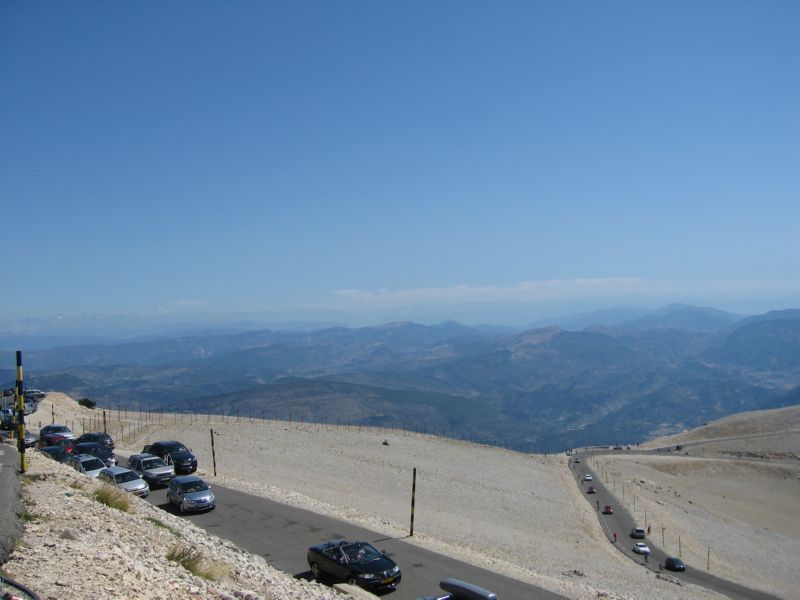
x=587, y=477
x=641, y=548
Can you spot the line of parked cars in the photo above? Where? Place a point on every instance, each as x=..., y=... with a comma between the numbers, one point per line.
x=160, y=464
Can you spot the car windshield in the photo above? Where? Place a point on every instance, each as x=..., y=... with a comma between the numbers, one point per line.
x=59, y=429
x=194, y=486
x=361, y=553
x=153, y=463
x=93, y=464
x=176, y=448
x=126, y=476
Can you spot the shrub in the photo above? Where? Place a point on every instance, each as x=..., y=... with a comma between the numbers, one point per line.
x=87, y=403
x=194, y=562
x=113, y=497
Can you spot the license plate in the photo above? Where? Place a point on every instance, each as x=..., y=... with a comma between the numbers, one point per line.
x=390, y=580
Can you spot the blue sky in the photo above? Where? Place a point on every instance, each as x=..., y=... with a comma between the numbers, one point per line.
x=420, y=160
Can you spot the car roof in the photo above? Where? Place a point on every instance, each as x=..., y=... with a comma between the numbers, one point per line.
x=186, y=478
x=118, y=470
x=142, y=456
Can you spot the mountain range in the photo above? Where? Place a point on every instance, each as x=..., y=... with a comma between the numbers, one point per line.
x=543, y=388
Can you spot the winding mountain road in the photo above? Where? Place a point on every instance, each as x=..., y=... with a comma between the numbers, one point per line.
x=621, y=523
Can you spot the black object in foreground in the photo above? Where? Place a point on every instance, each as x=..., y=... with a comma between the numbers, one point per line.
x=358, y=563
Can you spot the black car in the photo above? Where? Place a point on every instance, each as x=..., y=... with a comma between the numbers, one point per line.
x=96, y=449
x=99, y=437
x=57, y=453
x=175, y=454
x=672, y=563
x=358, y=563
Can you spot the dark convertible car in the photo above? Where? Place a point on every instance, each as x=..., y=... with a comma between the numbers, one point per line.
x=358, y=563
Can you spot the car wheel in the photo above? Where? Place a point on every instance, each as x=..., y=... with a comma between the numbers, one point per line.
x=352, y=581
x=315, y=572
x=183, y=510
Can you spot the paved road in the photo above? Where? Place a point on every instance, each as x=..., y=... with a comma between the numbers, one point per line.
x=621, y=522
x=282, y=535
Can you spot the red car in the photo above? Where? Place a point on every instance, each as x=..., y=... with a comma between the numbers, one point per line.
x=608, y=510
x=591, y=490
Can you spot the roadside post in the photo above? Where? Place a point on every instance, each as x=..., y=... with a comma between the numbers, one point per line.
x=413, y=497
x=213, y=453
x=23, y=463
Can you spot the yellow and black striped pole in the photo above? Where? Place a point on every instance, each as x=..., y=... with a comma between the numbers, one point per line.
x=20, y=416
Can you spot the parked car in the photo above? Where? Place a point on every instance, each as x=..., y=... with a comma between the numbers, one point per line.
x=591, y=490
x=54, y=429
x=608, y=509
x=641, y=548
x=86, y=464
x=358, y=563
x=588, y=477
x=128, y=480
x=174, y=453
x=152, y=469
x=190, y=493
x=30, y=441
x=57, y=439
x=97, y=436
x=461, y=590
x=57, y=453
x=99, y=450
x=638, y=533
x=577, y=461
x=673, y=563
x=34, y=394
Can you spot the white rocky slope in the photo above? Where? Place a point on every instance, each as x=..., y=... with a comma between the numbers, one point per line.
x=518, y=514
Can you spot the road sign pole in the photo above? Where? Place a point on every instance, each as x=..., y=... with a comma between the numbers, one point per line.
x=413, y=498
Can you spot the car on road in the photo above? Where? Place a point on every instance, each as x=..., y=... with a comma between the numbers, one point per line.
x=86, y=464
x=591, y=490
x=577, y=461
x=638, y=533
x=174, y=453
x=99, y=437
x=153, y=470
x=358, y=563
x=128, y=480
x=99, y=450
x=608, y=509
x=641, y=548
x=673, y=563
x=588, y=477
x=462, y=590
x=46, y=433
x=57, y=453
x=190, y=493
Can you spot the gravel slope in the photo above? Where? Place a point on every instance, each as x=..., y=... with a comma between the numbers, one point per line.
x=514, y=513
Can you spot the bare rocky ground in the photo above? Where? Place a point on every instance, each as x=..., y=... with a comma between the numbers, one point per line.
x=518, y=514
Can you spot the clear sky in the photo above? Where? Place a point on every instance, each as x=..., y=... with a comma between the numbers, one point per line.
x=303, y=158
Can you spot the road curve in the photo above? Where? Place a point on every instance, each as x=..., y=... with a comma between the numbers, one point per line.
x=282, y=535
x=621, y=522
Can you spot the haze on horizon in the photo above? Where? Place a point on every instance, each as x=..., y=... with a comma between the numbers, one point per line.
x=364, y=162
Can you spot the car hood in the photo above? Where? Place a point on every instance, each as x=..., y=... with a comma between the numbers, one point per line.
x=181, y=456
x=155, y=472
x=379, y=565
x=205, y=495
x=132, y=486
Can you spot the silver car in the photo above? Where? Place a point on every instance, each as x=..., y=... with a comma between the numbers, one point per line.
x=152, y=469
x=126, y=479
x=190, y=493
x=86, y=464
